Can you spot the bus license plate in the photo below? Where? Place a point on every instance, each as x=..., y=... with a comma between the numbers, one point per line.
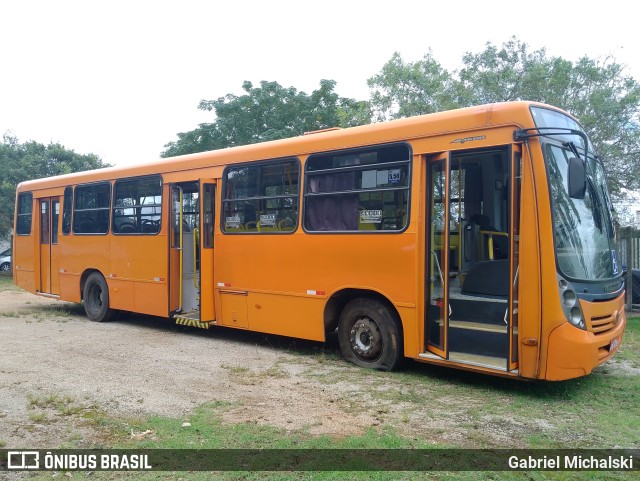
x=614, y=344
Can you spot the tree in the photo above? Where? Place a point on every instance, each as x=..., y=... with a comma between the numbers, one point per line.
x=599, y=93
x=31, y=160
x=403, y=89
x=269, y=112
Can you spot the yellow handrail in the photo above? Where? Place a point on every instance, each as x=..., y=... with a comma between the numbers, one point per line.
x=490, y=234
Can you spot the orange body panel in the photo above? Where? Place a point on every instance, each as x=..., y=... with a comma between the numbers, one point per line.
x=278, y=270
x=234, y=307
x=121, y=294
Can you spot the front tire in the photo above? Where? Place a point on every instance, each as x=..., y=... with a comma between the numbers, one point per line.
x=96, y=299
x=5, y=267
x=370, y=335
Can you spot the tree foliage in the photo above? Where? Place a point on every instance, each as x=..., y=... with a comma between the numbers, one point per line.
x=31, y=160
x=403, y=89
x=600, y=93
x=269, y=112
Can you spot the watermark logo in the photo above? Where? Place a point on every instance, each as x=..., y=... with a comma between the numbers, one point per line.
x=23, y=460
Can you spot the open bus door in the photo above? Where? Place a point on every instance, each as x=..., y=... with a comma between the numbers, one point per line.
x=207, y=226
x=437, y=257
x=191, y=253
x=183, y=255
x=175, y=250
x=514, y=236
x=472, y=239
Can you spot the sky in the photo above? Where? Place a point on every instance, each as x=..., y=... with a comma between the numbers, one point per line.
x=121, y=78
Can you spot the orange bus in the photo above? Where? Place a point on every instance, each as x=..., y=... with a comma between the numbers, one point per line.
x=479, y=238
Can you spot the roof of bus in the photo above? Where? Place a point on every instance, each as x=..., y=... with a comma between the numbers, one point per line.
x=463, y=119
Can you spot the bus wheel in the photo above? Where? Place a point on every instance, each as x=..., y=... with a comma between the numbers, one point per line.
x=369, y=335
x=96, y=299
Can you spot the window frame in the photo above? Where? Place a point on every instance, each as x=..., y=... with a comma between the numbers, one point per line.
x=108, y=208
x=22, y=195
x=55, y=220
x=356, y=168
x=45, y=220
x=208, y=239
x=114, y=207
x=65, y=199
x=261, y=163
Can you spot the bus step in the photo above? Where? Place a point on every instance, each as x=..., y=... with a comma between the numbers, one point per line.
x=479, y=360
x=191, y=319
x=478, y=326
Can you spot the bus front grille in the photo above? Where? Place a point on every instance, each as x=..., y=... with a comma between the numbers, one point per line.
x=602, y=324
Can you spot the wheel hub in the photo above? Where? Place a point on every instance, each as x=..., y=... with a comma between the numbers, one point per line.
x=365, y=338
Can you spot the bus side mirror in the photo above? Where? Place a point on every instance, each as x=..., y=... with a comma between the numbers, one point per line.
x=577, y=178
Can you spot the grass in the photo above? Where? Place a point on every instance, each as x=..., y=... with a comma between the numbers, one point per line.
x=206, y=430
x=597, y=411
x=40, y=406
x=631, y=342
x=6, y=284
x=419, y=407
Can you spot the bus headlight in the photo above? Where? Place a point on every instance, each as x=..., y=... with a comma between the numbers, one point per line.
x=570, y=304
x=575, y=317
x=569, y=298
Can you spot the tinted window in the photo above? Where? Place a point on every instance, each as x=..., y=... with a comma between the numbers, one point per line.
x=262, y=197
x=91, y=209
x=66, y=210
x=44, y=222
x=360, y=190
x=137, y=206
x=23, y=222
x=209, y=215
x=55, y=217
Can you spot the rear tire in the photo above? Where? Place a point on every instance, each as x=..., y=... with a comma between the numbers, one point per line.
x=96, y=299
x=370, y=335
x=5, y=267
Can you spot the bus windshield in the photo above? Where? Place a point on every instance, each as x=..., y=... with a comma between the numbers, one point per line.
x=583, y=232
x=583, y=229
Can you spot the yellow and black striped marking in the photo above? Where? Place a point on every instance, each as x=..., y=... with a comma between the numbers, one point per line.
x=185, y=321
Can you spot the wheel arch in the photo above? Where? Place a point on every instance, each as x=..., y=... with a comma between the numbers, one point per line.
x=342, y=297
x=85, y=275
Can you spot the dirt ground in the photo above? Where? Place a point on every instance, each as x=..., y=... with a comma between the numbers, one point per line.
x=143, y=365
x=139, y=366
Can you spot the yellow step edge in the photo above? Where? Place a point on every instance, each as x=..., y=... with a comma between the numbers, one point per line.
x=185, y=321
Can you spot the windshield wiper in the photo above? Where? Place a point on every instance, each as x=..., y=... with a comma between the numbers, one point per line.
x=523, y=134
x=572, y=147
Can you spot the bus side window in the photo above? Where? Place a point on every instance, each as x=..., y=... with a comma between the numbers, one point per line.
x=25, y=206
x=91, y=208
x=137, y=206
x=359, y=190
x=261, y=198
